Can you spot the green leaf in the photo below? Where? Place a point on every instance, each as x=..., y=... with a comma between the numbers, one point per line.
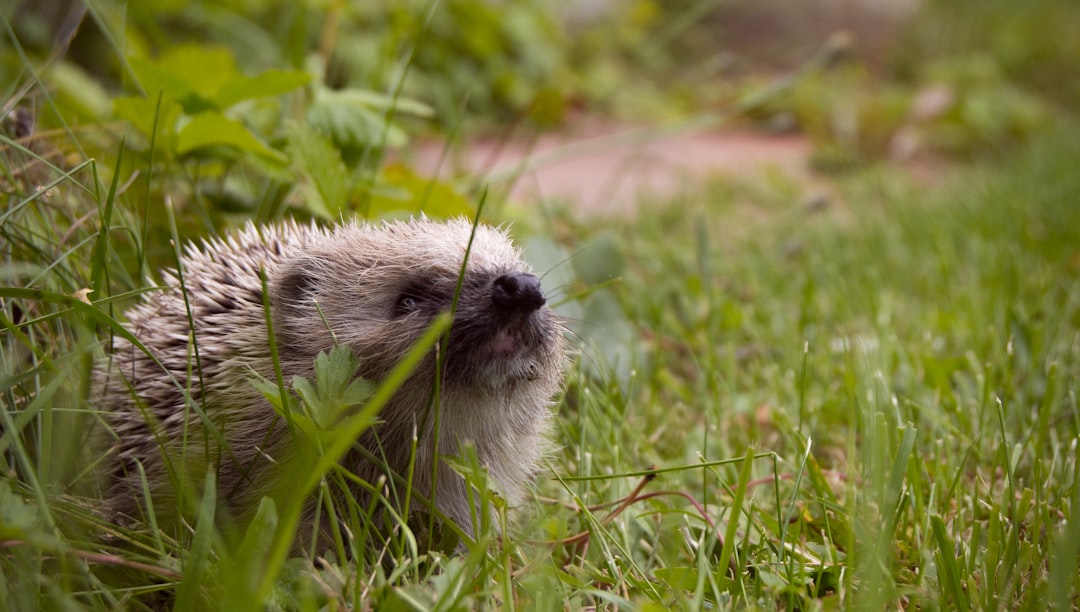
x=344, y=436
x=1064, y=558
x=79, y=90
x=99, y=257
x=948, y=567
x=679, y=577
x=155, y=79
x=736, y=508
x=323, y=178
x=352, y=123
x=16, y=516
x=601, y=260
x=242, y=576
x=269, y=389
x=336, y=388
x=197, y=564
x=286, y=407
x=269, y=83
x=140, y=112
x=894, y=490
x=214, y=129
x=401, y=189
x=206, y=69
x=378, y=101
x=613, y=339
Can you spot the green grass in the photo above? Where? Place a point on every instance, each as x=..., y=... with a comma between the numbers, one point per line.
x=922, y=342
x=871, y=404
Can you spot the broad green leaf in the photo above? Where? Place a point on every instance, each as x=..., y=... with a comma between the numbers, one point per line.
x=16, y=516
x=613, y=338
x=79, y=90
x=354, y=128
x=206, y=69
x=242, y=576
x=545, y=254
x=334, y=371
x=155, y=79
x=352, y=123
x=269, y=83
x=344, y=436
x=297, y=419
x=323, y=178
x=215, y=129
x=401, y=189
x=685, y=578
x=601, y=260
x=336, y=388
x=140, y=112
x=191, y=74
x=378, y=101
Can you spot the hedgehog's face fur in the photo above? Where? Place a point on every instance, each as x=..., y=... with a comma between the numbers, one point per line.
x=378, y=291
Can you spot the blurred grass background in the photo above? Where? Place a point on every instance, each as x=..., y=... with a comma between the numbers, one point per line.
x=892, y=339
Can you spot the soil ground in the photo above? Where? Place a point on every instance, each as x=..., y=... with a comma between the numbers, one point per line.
x=603, y=169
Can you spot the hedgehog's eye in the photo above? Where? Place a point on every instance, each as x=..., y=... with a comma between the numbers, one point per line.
x=420, y=296
x=407, y=302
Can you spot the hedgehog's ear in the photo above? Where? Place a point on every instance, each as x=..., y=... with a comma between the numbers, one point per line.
x=296, y=283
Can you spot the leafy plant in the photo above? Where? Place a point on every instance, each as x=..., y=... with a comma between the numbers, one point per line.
x=491, y=61
x=190, y=91
x=866, y=403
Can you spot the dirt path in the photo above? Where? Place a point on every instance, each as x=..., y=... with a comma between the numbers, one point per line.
x=603, y=170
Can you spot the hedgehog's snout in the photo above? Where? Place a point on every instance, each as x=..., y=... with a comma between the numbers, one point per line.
x=517, y=292
x=515, y=334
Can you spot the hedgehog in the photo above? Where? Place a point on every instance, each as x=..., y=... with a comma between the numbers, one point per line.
x=374, y=288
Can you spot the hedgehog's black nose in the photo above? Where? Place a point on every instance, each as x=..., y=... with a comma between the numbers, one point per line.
x=517, y=291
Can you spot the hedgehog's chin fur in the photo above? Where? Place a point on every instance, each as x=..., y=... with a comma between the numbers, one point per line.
x=517, y=370
x=512, y=354
x=509, y=361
